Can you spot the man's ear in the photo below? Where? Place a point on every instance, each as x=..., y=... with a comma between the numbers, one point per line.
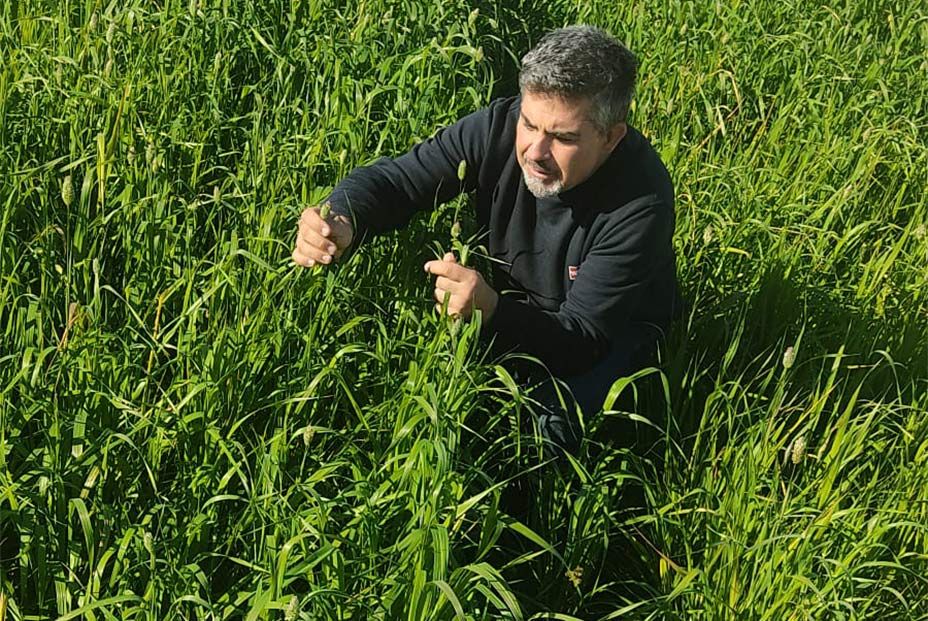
x=615, y=134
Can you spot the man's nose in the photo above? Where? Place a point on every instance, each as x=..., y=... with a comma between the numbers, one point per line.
x=539, y=150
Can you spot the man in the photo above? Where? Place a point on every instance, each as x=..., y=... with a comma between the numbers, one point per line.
x=579, y=211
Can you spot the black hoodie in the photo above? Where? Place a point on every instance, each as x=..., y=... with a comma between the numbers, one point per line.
x=578, y=274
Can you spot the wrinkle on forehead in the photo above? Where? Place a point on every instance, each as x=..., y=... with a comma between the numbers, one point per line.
x=556, y=114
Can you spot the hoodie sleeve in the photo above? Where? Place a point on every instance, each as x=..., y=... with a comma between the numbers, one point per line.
x=385, y=195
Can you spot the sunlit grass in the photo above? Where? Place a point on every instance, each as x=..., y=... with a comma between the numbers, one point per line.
x=191, y=428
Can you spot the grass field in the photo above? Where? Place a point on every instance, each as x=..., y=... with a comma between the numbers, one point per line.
x=190, y=428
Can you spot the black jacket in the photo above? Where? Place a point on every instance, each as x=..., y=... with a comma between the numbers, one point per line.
x=580, y=273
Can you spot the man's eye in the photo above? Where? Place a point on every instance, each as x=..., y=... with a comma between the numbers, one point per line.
x=566, y=140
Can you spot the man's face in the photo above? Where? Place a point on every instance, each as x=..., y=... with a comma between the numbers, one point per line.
x=557, y=145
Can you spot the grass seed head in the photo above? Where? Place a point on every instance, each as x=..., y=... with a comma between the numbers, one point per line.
x=292, y=612
x=152, y=158
x=67, y=191
x=575, y=576
x=789, y=357
x=708, y=234
x=455, y=230
x=309, y=432
x=325, y=210
x=798, y=450
x=150, y=153
x=462, y=170
x=94, y=19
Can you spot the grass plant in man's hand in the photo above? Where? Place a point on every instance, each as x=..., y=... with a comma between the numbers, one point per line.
x=460, y=289
x=321, y=238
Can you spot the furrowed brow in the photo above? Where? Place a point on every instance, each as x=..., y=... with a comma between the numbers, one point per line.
x=559, y=135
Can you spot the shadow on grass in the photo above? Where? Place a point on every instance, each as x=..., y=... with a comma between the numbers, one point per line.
x=732, y=340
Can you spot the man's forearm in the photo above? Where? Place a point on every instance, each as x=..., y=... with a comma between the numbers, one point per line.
x=387, y=194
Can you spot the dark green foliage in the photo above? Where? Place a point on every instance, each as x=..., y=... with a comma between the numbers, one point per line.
x=190, y=427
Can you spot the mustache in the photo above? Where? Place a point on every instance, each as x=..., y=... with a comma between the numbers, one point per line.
x=546, y=168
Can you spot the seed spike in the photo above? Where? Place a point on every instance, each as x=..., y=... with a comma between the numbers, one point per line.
x=575, y=576
x=292, y=612
x=798, y=451
x=67, y=191
x=708, y=234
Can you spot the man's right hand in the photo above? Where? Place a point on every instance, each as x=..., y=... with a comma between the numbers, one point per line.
x=321, y=241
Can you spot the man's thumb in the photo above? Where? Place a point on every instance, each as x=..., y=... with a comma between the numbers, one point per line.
x=449, y=256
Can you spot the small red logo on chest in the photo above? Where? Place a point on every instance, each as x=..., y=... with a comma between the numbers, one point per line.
x=572, y=271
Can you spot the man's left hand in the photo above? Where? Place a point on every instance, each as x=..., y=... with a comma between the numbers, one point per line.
x=464, y=288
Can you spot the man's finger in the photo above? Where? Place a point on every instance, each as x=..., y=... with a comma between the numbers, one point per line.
x=439, y=306
x=441, y=296
x=300, y=259
x=446, y=284
x=313, y=238
x=312, y=252
x=446, y=268
x=311, y=218
x=310, y=221
x=449, y=256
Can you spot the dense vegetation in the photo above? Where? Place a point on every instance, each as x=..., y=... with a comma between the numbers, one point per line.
x=192, y=428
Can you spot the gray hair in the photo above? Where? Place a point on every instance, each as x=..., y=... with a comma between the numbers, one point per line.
x=583, y=61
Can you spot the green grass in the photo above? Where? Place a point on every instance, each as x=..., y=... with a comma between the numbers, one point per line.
x=192, y=428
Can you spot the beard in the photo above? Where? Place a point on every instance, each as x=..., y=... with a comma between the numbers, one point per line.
x=539, y=188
